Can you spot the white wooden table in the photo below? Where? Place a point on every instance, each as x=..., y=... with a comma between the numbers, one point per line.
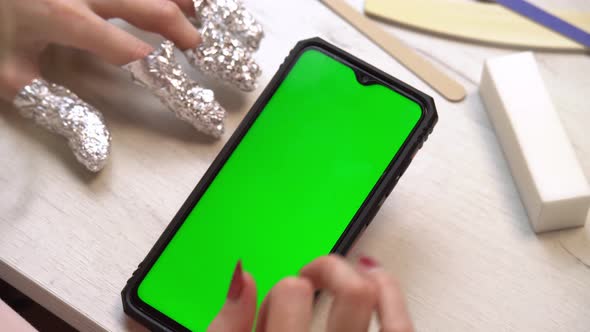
x=454, y=231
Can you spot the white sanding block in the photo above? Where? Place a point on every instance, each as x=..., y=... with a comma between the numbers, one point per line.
x=550, y=179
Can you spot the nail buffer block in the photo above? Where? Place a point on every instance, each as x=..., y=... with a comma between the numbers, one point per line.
x=550, y=180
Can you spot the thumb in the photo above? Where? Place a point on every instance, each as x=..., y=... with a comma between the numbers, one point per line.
x=239, y=311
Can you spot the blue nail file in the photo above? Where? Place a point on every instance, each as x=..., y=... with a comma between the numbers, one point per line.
x=553, y=22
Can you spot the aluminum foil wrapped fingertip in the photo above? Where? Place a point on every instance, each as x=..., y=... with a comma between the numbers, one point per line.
x=230, y=36
x=60, y=111
x=161, y=74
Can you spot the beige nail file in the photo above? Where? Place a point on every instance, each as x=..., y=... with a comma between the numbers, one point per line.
x=445, y=85
x=550, y=180
x=480, y=22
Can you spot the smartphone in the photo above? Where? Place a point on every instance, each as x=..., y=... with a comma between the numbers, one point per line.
x=303, y=174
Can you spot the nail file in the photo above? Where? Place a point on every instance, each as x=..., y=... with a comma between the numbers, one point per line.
x=553, y=22
x=487, y=23
x=543, y=163
x=441, y=82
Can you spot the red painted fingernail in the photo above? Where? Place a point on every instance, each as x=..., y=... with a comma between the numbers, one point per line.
x=237, y=283
x=368, y=262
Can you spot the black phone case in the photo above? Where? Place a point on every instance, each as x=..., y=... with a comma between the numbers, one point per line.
x=156, y=321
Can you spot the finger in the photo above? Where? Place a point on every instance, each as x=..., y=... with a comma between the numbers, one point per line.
x=187, y=6
x=262, y=316
x=289, y=306
x=239, y=311
x=391, y=307
x=94, y=34
x=160, y=16
x=354, y=295
x=15, y=73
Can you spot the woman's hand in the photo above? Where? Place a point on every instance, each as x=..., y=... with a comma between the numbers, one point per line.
x=82, y=24
x=357, y=290
x=227, y=29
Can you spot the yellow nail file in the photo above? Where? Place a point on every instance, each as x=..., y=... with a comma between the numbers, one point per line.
x=479, y=22
x=438, y=80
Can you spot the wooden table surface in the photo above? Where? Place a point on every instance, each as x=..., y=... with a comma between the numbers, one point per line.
x=454, y=231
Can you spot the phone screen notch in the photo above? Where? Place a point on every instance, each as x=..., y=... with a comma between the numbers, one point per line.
x=364, y=78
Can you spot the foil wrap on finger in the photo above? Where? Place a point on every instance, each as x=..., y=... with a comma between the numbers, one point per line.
x=61, y=111
x=160, y=73
x=234, y=17
x=230, y=35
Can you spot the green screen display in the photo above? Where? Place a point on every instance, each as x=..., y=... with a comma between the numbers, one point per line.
x=287, y=192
